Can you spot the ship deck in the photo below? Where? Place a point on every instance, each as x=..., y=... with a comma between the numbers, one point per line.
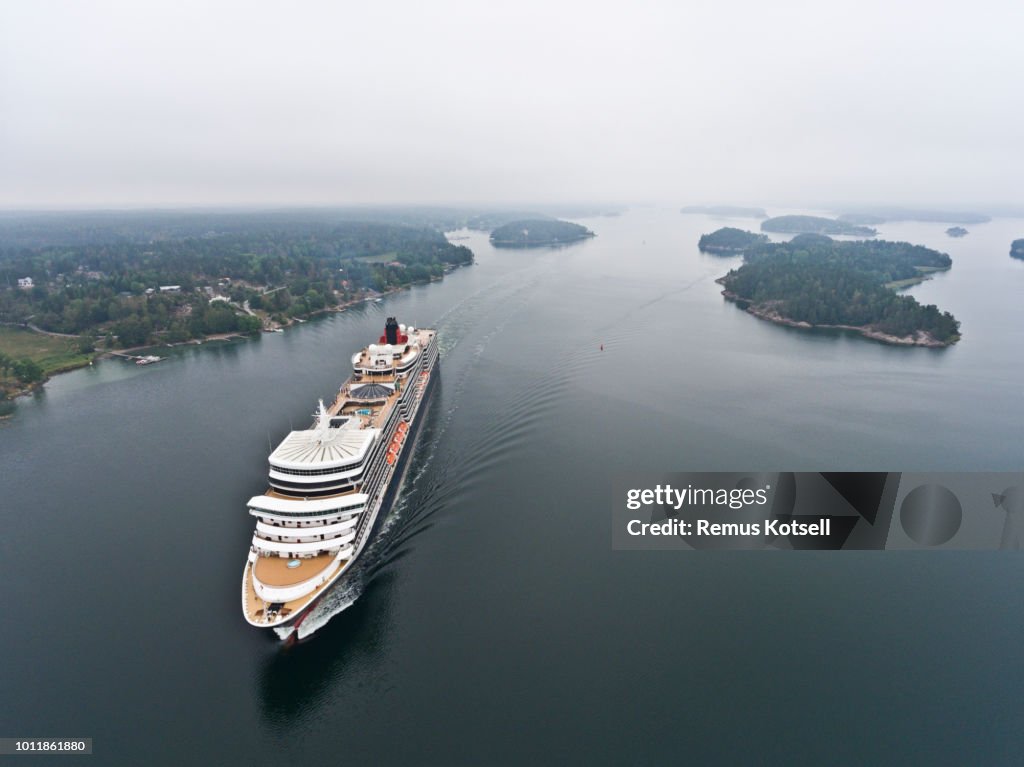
x=270, y=492
x=256, y=607
x=274, y=571
x=380, y=409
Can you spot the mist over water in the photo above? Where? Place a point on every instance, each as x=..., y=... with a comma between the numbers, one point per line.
x=492, y=622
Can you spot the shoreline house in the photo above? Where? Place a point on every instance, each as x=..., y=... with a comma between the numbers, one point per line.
x=25, y=282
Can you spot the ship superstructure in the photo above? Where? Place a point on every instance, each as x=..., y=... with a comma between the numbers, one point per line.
x=331, y=484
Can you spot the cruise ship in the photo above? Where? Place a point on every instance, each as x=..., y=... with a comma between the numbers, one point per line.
x=332, y=484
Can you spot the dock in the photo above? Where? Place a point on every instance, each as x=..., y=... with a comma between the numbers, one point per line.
x=148, y=359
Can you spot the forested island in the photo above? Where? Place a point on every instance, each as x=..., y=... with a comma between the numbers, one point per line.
x=148, y=279
x=957, y=231
x=1017, y=249
x=729, y=240
x=814, y=281
x=815, y=225
x=537, y=232
x=727, y=211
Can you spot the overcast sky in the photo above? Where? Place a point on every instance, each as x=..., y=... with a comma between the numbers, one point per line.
x=142, y=104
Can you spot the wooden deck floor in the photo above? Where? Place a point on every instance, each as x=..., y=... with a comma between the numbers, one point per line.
x=256, y=606
x=274, y=571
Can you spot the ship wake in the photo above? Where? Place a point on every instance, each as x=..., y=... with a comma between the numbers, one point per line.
x=417, y=501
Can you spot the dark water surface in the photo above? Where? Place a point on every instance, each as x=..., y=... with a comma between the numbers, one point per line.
x=492, y=623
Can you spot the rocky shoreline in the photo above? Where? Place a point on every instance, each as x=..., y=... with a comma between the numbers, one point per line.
x=769, y=313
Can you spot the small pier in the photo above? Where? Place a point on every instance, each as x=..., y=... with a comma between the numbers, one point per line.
x=148, y=359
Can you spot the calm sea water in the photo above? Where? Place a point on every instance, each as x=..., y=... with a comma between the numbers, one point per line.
x=492, y=623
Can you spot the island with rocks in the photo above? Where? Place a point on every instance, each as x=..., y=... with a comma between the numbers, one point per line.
x=815, y=225
x=816, y=282
x=957, y=231
x=1017, y=249
x=533, y=233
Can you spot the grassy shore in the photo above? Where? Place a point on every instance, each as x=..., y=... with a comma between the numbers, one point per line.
x=53, y=353
x=59, y=354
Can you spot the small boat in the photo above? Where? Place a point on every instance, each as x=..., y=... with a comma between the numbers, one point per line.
x=148, y=360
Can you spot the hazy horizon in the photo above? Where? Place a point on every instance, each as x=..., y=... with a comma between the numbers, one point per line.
x=454, y=104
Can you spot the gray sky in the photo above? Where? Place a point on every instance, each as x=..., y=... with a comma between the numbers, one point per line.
x=141, y=104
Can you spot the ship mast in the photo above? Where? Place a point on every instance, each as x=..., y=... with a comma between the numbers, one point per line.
x=323, y=424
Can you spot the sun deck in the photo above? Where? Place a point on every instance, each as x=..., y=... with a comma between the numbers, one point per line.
x=274, y=571
x=256, y=607
x=371, y=413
